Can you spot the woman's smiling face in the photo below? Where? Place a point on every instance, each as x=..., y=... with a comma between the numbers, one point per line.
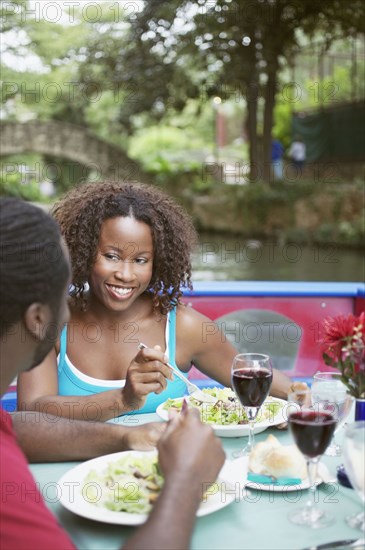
x=123, y=267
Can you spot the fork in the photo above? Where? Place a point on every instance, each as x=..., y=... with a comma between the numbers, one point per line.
x=193, y=390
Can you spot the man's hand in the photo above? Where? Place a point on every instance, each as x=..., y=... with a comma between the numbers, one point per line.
x=190, y=457
x=190, y=450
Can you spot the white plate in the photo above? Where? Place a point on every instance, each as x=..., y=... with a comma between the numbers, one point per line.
x=236, y=470
x=71, y=484
x=238, y=430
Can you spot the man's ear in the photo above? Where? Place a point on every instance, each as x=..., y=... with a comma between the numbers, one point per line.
x=36, y=319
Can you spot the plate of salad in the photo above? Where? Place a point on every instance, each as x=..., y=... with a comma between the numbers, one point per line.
x=121, y=488
x=227, y=416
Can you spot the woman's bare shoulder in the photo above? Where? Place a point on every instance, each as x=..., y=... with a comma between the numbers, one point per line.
x=191, y=327
x=189, y=318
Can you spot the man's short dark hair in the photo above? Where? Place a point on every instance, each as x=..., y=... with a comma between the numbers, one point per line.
x=33, y=266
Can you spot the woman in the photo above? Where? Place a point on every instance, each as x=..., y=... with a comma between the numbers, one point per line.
x=130, y=249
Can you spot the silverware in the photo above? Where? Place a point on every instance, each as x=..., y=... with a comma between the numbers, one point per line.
x=358, y=544
x=193, y=390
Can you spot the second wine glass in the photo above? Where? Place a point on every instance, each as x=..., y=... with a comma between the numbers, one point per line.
x=312, y=427
x=251, y=381
x=328, y=389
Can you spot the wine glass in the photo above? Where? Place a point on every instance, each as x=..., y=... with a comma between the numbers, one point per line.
x=354, y=458
x=328, y=389
x=251, y=381
x=312, y=427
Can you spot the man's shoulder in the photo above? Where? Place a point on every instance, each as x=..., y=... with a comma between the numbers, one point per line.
x=12, y=456
x=22, y=502
x=6, y=425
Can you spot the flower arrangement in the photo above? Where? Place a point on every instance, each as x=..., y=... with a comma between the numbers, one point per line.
x=344, y=349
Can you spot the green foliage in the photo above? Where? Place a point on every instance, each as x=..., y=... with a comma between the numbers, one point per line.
x=11, y=186
x=282, y=121
x=102, y=118
x=10, y=14
x=53, y=42
x=161, y=138
x=337, y=87
x=20, y=176
x=342, y=233
x=353, y=232
x=155, y=73
x=167, y=149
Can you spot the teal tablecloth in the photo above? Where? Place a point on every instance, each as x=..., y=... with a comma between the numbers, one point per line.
x=256, y=520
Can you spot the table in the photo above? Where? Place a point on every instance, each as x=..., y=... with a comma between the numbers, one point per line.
x=256, y=520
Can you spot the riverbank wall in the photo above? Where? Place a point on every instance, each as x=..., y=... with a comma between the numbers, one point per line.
x=302, y=213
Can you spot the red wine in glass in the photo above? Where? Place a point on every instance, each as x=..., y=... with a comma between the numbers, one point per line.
x=312, y=426
x=251, y=386
x=251, y=381
x=312, y=431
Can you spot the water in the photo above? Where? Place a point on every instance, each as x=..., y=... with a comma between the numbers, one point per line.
x=223, y=258
x=333, y=395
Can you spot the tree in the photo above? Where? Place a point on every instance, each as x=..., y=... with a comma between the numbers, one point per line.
x=153, y=62
x=238, y=48
x=11, y=13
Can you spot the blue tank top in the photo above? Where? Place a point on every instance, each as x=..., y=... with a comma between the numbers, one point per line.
x=73, y=382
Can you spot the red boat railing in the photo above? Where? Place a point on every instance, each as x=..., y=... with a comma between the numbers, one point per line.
x=282, y=319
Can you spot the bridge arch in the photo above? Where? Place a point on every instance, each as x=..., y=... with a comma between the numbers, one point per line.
x=70, y=142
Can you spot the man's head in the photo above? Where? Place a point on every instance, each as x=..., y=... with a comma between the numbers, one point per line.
x=34, y=275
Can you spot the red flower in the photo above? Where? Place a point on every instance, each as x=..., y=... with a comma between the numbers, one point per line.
x=344, y=349
x=361, y=327
x=338, y=328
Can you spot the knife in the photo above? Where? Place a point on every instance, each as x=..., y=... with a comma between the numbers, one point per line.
x=338, y=544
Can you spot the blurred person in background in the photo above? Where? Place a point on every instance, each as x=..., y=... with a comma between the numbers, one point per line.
x=297, y=153
x=277, y=153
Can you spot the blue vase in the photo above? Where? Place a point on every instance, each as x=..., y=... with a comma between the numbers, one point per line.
x=360, y=409
x=342, y=477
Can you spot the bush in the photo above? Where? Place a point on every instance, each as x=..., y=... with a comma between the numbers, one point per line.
x=11, y=186
x=167, y=150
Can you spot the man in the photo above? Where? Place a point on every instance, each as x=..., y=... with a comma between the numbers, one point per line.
x=34, y=278
x=297, y=153
x=277, y=153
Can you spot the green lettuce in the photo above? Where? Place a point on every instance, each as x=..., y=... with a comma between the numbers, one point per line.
x=228, y=410
x=130, y=484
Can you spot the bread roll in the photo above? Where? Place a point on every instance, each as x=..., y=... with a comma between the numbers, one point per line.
x=271, y=458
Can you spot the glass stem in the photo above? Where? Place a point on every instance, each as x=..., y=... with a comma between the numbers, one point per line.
x=251, y=415
x=312, y=465
x=251, y=436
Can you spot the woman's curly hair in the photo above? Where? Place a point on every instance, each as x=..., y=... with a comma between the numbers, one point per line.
x=82, y=211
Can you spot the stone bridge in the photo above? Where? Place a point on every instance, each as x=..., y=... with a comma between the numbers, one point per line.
x=69, y=142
